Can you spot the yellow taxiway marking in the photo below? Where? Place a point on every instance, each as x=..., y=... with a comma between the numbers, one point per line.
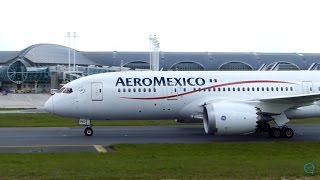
x=100, y=148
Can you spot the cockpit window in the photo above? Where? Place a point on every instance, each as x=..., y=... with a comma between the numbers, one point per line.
x=67, y=90
x=61, y=90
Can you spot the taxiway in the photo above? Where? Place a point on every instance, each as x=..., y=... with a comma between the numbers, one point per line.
x=62, y=139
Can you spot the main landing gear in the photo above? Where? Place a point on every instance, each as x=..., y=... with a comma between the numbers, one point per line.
x=283, y=131
x=275, y=132
x=88, y=131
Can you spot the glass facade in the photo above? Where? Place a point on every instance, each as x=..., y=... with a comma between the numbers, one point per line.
x=18, y=72
x=282, y=66
x=187, y=66
x=137, y=65
x=235, y=66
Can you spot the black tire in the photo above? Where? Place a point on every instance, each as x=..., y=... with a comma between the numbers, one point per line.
x=265, y=127
x=271, y=132
x=275, y=133
x=88, y=131
x=287, y=133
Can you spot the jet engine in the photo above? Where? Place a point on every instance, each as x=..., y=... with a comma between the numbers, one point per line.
x=229, y=118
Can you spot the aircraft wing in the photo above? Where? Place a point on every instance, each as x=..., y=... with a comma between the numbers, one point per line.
x=293, y=99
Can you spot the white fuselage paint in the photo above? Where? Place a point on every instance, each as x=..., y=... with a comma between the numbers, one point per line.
x=175, y=95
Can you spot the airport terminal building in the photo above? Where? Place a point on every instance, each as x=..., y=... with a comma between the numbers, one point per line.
x=41, y=67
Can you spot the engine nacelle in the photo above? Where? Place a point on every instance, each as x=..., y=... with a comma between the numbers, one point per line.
x=229, y=118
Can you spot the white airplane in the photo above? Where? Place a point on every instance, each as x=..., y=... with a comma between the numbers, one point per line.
x=226, y=102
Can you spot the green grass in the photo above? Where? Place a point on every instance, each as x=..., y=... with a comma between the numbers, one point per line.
x=49, y=120
x=263, y=160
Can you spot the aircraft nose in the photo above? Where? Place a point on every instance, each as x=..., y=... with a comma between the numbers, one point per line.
x=49, y=106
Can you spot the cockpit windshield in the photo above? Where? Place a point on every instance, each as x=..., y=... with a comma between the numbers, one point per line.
x=65, y=90
x=61, y=90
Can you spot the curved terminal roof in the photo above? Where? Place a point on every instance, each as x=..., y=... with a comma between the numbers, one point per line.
x=53, y=54
x=47, y=54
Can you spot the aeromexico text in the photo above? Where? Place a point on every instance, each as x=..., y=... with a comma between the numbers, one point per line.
x=160, y=81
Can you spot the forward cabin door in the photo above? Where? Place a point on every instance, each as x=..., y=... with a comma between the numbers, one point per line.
x=172, y=92
x=307, y=87
x=97, y=91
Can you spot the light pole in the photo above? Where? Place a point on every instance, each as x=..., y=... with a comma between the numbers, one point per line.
x=154, y=53
x=74, y=51
x=68, y=35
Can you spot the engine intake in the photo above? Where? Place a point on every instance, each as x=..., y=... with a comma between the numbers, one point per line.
x=229, y=118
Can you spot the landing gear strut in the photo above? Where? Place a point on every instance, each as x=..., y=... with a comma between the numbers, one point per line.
x=88, y=131
x=281, y=132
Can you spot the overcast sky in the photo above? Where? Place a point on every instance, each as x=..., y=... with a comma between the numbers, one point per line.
x=181, y=25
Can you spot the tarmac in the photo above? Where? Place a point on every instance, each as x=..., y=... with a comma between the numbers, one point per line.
x=62, y=139
x=28, y=100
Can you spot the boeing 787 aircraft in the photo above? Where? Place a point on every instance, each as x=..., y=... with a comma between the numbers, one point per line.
x=226, y=102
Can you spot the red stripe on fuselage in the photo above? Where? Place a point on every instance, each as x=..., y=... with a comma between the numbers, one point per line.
x=214, y=86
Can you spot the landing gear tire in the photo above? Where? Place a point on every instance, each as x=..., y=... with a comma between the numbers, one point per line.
x=275, y=133
x=287, y=133
x=265, y=127
x=88, y=131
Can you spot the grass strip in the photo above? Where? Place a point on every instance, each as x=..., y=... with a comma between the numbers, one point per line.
x=261, y=160
x=49, y=120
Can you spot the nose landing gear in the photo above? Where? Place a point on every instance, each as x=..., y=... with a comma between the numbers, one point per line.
x=88, y=131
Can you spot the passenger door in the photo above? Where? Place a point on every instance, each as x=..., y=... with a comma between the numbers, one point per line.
x=307, y=87
x=97, y=91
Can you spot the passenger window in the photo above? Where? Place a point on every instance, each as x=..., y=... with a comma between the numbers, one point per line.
x=243, y=89
x=184, y=89
x=238, y=89
x=219, y=89
x=281, y=88
x=291, y=88
x=119, y=90
x=144, y=90
x=258, y=89
x=253, y=89
x=134, y=89
x=271, y=88
x=155, y=90
x=124, y=90
x=286, y=88
x=267, y=88
x=129, y=90
x=149, y=89
x=139, y=90
x=248, y=89
x=277, y=89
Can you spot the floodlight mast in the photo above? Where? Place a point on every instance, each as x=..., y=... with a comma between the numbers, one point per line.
x=74, y=51
x=154, y=53
x=68, y=35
